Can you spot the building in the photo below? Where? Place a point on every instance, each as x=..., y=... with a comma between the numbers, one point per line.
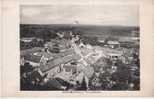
x=27, y=40
x=58, y=61
x=32, y=59
x=30, y=51
x=101, y=40
x=113, y=44
x=35, y=57
x=61, y=44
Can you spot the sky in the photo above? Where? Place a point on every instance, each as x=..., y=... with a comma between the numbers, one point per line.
x=124, y=15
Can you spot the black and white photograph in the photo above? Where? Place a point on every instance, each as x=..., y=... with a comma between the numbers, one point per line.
x=79, y=47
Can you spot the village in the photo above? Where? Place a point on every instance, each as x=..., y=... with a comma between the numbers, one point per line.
x=73, y=64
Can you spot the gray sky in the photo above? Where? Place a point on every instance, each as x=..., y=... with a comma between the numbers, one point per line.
x=126, y=15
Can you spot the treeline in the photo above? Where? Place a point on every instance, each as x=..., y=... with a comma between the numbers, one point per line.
x=45, y=31
x=40, y=32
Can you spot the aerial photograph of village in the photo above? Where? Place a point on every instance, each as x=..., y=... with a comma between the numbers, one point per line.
x=61, y=49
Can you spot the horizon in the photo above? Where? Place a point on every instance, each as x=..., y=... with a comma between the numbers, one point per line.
x=87, y=25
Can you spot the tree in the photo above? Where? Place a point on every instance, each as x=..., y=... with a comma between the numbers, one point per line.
x=83, y=84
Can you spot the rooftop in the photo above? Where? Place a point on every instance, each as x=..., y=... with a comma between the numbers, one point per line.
x=32, y=58
x=56, y=62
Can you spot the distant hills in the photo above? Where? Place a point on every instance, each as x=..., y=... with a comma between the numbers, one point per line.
x=30, y=30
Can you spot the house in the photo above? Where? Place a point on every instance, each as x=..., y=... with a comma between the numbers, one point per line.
x=30, y=51
x=101, y=40
x=52, y=72
x=27, y=40
x=45, y=56
x=62, y=54
x=32, y=59
x=70, y=68
x=35, y=56
x=66, y=76
x=114, y=54
x=58, y=61
x=70, y=75
x=63, y=72
x=113, y=44
x=61, y=44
